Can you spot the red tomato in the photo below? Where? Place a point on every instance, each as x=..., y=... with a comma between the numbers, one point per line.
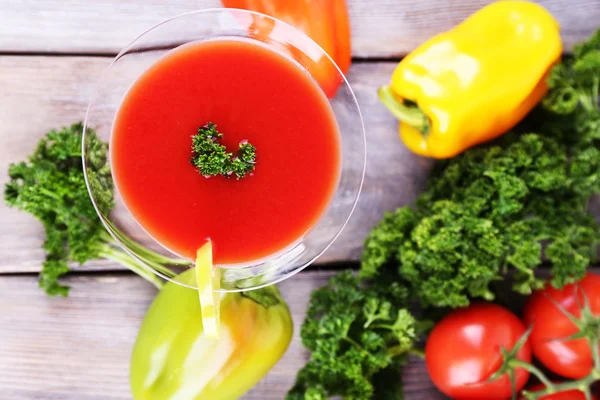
x=568, y=395
x=569, y=358
x=463, y=351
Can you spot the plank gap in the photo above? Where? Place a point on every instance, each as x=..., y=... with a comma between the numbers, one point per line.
x=10, y=53
x=333, y=267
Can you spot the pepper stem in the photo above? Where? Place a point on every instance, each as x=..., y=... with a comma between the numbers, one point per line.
x=267, y=296
x=409, y=114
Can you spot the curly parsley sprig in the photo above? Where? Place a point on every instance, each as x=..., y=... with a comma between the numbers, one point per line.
x=211, y=158
x=508, y=206
x=50, y=185
x=358, y=336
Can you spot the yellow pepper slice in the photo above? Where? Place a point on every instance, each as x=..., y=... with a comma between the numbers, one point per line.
x=207, y=280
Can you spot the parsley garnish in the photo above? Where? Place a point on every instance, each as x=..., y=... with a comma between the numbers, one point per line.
x=211, y=158
x=50, y=185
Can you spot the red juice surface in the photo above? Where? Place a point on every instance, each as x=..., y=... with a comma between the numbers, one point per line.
x=250, y=92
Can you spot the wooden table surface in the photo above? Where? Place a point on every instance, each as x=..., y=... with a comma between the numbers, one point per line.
x=52, y=53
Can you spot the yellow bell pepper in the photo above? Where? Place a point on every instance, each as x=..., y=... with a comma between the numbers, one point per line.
x=476, y=81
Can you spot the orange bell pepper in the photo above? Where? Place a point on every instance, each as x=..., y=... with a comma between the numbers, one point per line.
x=326, y=22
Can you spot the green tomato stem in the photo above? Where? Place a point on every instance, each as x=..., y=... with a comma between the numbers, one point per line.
x=595, y=352
x=513, y=384
x=583, y=385
x=516, y=363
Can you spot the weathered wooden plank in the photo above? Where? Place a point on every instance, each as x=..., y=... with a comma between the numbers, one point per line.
x=380, y=28
x=41, y=93
x=78, y=348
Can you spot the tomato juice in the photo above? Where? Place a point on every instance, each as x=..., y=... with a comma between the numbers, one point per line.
x=250, y=92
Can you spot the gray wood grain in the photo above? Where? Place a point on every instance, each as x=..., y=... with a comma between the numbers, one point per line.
x=78, y=348
x=380, y=28
x=41, y=93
